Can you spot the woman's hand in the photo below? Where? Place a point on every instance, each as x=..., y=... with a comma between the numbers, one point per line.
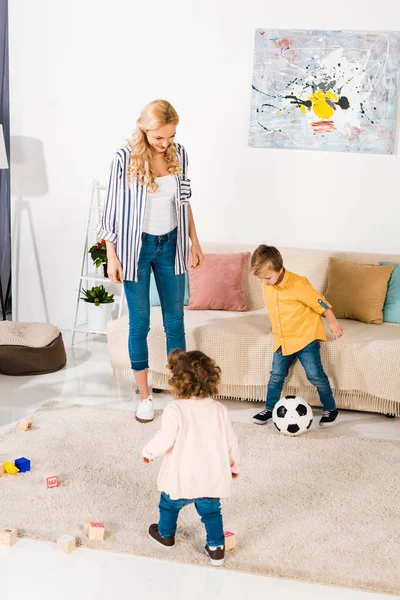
x=197, y=256
x=114, y=269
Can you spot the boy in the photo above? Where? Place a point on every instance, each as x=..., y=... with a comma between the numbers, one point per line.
x=295, y=310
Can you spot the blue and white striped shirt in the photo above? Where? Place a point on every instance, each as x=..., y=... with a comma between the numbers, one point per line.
x=124, y=210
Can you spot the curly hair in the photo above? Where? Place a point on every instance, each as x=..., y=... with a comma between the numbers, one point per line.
x=155, y=115
x=193, y=374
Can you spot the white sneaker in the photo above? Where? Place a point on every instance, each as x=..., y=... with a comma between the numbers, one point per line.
x=145, y=410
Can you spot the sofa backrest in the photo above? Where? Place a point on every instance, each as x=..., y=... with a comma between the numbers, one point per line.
x=313, y=264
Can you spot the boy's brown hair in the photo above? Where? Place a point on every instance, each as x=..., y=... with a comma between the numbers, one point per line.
x=263, y=255
x=193, y=374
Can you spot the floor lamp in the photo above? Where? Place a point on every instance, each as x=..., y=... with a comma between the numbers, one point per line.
x=3, y=165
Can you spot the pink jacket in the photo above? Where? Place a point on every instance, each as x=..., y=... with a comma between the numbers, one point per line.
x=200, y=447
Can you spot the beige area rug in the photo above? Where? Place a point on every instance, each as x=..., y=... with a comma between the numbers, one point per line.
x=320, y=508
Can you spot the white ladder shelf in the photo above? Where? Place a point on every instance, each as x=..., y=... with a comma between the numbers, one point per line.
x=95, y=211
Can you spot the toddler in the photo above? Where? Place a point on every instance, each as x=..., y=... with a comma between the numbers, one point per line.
x=200, y=449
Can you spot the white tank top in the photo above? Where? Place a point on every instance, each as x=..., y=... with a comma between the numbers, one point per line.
x=160, y=216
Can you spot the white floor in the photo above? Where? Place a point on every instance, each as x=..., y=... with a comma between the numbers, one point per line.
x=35, y=569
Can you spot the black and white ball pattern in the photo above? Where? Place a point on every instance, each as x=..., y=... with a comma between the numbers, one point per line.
x=292, y=415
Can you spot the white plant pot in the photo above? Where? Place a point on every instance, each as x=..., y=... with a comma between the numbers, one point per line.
x=98, y=316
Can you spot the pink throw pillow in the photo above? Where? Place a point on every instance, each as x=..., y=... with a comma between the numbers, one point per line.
x=219, y=284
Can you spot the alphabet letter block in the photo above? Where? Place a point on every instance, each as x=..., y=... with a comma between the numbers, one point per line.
x=8, y=537
x=51, y=481
x=230, y=540
x=96, y=531
x=66, y=543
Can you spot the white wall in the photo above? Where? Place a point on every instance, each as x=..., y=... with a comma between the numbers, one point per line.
x=82, y=70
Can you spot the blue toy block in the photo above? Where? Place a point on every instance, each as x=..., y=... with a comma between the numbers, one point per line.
x=23, y=464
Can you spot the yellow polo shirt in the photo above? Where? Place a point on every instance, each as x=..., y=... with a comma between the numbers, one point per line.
x=295, y=310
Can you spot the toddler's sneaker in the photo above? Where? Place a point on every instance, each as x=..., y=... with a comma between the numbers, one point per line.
x=216, y=554
x=155, y=536
x=263, y=417
x=145, y=410
x=328, y=418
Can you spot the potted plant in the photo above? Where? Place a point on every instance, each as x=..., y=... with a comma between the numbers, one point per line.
x=98, y=253
x=100, y=306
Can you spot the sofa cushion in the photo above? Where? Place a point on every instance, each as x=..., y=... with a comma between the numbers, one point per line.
x=357, y=291
x=391, y=310
x=220, y=283
x=155, y=297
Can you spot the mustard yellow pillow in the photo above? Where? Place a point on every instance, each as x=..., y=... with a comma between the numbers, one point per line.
x=357, y=291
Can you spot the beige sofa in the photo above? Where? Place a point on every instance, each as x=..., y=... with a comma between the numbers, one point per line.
x=363, y=366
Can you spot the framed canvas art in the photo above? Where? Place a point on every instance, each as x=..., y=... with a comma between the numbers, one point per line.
x=325, y=90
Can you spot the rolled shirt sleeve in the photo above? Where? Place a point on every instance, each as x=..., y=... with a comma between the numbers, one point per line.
x=108, y=228
x=310, y=297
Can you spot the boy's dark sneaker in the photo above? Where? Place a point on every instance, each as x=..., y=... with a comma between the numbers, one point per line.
x=263, y=417
x=216, y=555
x=328, y=418
x=156, y=537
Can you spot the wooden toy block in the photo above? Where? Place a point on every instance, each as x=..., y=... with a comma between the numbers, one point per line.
x=10, y=468
x=66, y=543
x=51, y=481
x=86, y=525
x=96, y=531
x=8, y=537
x=24, y=424
x=23, y=464
x=2, y=469
x=230, y=540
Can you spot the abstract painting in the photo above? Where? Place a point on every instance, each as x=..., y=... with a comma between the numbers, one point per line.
x=325, y=90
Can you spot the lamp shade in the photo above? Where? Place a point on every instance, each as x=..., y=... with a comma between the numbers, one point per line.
x=3, y=155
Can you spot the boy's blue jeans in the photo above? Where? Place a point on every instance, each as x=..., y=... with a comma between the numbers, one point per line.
x=310, y=358
x=209, y=510
x=157, y=254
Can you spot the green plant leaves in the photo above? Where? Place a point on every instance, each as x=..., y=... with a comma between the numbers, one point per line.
x=98, y=254
x=97, y=295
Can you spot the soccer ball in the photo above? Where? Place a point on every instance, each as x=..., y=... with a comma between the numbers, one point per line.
x=292, y=415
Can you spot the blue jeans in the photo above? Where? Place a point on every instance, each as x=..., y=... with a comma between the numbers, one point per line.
x=209, y=510
x=310, y=358
x=157, y=254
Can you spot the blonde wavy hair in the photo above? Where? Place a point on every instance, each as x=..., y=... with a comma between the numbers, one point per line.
x=155, y=115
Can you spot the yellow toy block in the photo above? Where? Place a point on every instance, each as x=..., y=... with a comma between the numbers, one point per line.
x=10, y=468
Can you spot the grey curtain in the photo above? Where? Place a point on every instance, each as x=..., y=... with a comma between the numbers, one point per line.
x=5, y=234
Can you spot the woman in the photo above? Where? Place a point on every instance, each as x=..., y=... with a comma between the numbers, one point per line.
x=147, y=222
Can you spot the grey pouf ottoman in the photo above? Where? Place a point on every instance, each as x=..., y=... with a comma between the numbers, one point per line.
x=30, y=348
